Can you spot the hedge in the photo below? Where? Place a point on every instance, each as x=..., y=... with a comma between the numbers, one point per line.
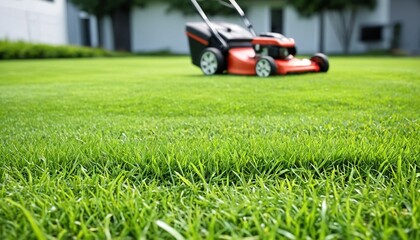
x=24, y=50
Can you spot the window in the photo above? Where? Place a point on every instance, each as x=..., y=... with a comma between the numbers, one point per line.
x=277, y=20
x=371, y=33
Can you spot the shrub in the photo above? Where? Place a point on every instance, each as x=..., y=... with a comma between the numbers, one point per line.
x=24, y=50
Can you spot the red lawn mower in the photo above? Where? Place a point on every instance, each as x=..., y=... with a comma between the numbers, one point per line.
x=229, y=48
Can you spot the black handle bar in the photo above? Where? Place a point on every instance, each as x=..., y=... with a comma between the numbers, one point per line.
x=213, y=29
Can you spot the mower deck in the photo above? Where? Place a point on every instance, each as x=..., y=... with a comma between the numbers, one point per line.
x=242, y=61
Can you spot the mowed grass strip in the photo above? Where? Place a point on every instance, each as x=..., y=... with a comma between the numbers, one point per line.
x=148, y=147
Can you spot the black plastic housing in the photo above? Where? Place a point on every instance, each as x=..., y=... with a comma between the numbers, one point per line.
x=275, y=52
x=233, y=35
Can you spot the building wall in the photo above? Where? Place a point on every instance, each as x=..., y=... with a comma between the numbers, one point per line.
x=306, y=30
x=303, y=30
x=75, y=29
x=259, y=15
x=155, y=29
x=33, y=21
x=407, y=12
x=73, y=26
x=379, y=16
x=108, y=34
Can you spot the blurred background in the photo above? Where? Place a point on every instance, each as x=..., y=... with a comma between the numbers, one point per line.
x=333, y=27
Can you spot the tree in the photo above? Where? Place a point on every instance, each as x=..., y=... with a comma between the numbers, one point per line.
x=344, y=10
x=211, y=7
x=119, y=12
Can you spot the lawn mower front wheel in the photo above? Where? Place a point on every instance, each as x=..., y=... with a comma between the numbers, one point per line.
x=212, y=61
x=266, y=66
x=322, y=61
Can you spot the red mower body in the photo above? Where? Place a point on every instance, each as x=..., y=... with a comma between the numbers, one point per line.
x=242, y=61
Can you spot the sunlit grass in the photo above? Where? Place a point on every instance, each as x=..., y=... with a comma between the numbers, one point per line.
x=149, y=148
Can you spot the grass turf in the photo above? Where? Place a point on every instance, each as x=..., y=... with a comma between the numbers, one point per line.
x=147, y=147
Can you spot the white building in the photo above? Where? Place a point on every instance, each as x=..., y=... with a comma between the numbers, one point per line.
x=155, y=29
x=42, y=21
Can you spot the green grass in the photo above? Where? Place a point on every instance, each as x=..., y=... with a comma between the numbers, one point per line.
x=147, y=147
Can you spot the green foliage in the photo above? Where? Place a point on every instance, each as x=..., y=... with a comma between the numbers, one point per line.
x=308, y=8
x=211, y=7
x=312, y=7
x=149, y=148
x=95, y=7
x=24, y=50
x=101, y=8
x=106, y=7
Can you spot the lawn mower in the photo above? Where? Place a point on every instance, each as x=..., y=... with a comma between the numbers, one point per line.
x=229, y=48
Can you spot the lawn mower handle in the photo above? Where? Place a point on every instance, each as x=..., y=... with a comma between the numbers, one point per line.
x=210, y=25
x=214, y=31
x=248, y=23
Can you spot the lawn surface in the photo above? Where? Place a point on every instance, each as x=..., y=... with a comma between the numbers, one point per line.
x=149, y=148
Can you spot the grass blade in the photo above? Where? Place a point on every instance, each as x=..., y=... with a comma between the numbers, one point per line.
x=38, y=232
x=170, y=230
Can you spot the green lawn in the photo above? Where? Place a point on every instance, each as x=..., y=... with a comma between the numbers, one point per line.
x=148, y=147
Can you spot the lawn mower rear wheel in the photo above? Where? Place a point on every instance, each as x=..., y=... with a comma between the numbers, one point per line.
x=212, y=61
